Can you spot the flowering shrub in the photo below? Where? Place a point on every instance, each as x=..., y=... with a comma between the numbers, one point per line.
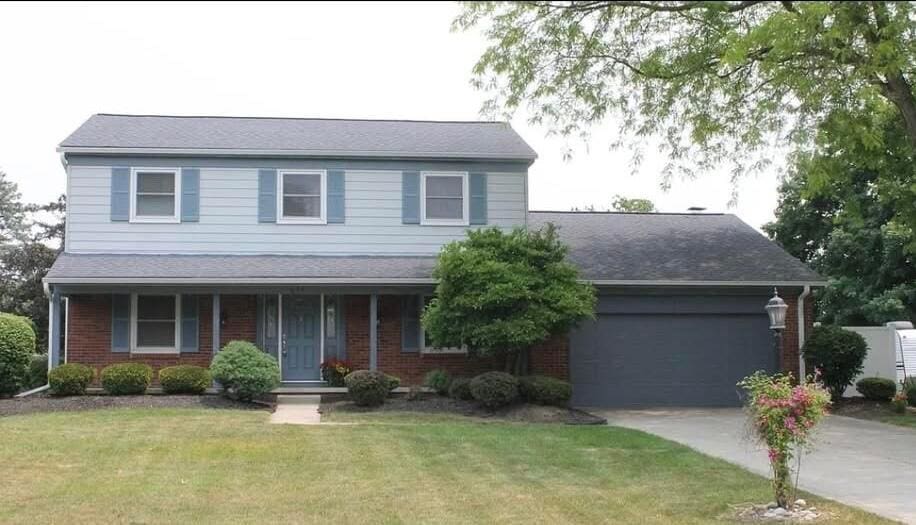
x=783, y=416
x=899, y=402
x=335, y=370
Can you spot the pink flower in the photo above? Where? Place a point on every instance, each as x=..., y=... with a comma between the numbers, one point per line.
x=791, y=423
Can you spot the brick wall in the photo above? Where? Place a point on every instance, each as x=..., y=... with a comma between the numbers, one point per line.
x=89, y=332
x=790, y=347
x=550, y=358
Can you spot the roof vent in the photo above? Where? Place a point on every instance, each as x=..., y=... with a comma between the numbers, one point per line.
x=696, y=209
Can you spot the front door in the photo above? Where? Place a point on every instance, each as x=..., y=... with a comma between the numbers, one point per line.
x=301, y=343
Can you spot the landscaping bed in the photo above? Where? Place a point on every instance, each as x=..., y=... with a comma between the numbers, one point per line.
x=46, y=403
x=861, y=408
x=338, y=408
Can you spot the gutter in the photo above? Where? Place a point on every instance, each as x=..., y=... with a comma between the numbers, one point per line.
x=801, y=330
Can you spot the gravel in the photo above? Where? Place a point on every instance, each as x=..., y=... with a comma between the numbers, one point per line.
x=46, y=403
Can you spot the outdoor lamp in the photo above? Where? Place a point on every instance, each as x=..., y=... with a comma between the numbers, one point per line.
x=776, y=309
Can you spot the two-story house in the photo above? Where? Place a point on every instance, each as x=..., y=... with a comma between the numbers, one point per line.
x=316, y=238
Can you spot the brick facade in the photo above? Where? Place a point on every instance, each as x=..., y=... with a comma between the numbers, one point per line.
x=790, y=347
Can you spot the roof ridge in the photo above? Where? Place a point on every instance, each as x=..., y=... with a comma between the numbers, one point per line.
x=335, y=119
x=612, y=212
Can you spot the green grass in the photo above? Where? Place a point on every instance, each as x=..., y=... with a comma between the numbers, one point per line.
x=224, y=466
x=903, y=420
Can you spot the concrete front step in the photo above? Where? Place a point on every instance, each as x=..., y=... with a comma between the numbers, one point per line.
x=297, y=410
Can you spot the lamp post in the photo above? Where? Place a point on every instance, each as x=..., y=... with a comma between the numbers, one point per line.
x=776, y=309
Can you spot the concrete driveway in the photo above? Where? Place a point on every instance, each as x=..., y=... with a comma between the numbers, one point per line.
x=861, y=463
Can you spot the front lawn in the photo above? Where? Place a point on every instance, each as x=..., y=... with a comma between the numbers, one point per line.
x=173, y=465
x=874, y=411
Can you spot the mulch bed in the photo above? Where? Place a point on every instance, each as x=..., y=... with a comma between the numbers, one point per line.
x=863, y=409
x=45, y=403
x=433, y=404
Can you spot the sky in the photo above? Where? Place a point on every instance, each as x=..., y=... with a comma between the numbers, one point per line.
x=60, y=63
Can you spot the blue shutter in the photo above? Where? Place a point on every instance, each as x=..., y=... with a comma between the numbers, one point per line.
x=410, y=192
x=478, y=189
x=189, y=324
x=336, y=191
x=120, y=194
x=267, y=195
x=190, y=194
x=410, y=323
x=120, y=323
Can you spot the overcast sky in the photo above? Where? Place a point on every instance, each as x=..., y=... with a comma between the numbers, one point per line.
x=61, y=63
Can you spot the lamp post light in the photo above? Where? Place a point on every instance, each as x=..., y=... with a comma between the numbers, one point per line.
x=776, y=309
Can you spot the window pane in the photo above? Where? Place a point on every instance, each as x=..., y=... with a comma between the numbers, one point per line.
x=330, y=321
x=438, y=208
x=155, y=307
x=444, y=186
x=155, y=333
x=155, y=182
x=156, y=205
x=301, y=184
x=301, y=206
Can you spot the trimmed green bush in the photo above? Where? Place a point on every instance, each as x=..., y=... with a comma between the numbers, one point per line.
x=838, y=354
x=17, y=344
x=185, y=379
x=38, y=371
x=244, y=371
x=911, y=393
x=460, y=389
x=438, y=380
x=876, y=388
x=543, y=390
x=393, y=381
x=494, y=389
x=126, y=378
x=368, y=388
x=70, y=379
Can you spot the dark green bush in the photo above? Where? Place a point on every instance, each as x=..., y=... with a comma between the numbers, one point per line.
x=438, y=380
x=17, y=344
x=911, y=392
x=494, y=389
x=244, y=371
x=460, y=389
x=876, y=388
x=70, y=379
x=38, y=371
x=368, y=387
x=126, y=378
x=838, y=354
x=393, y=382
x=543, y=390
x=184, y=379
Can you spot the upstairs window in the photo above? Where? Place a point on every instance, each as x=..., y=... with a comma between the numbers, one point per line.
x=302, y=197
x=155, y=327
x=154, y=195
x=444, y=198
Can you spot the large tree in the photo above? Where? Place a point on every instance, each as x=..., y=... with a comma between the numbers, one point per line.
x=712, y=81
x=632, y=204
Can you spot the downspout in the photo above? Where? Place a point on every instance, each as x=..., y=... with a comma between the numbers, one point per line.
x=47, y=290
x=801, y=330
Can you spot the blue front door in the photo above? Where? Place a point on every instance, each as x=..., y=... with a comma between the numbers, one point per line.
x=301, y=341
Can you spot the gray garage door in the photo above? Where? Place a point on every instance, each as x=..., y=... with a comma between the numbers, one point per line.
x=644, y=351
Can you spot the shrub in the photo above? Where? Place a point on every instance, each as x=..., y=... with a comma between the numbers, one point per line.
x=876, y=388
x=899, y=402
x=393, y=382
x=911, y=392
x=460, y=389
x=70, y=379
x=38, y=371
x=494, y=389
x=244, y=371
x=17, y=344
x=438, y=380
x=837, y=354
x=415, y=393
x=185, y=379
x=543, y=390
x=126, y=378
x=335, y=370
x=368, y=388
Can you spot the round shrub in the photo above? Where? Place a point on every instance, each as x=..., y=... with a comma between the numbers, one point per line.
x=494, y=389
x=244, y=371
x=368, y=388
x=543, y=390
x=184, y=379
x=838, y=354
x=126, y=378
x=460, y=389
x=876, y=388
x=393, y=382
x=438, y=380
x=17, y=344
x=38, y=371
x=70, y=379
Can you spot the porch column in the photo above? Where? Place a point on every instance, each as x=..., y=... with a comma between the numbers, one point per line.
x=373, y=332
x=216, y=309
x=54, y=328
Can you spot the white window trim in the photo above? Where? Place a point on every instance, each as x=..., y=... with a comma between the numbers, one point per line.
x=176, y=218
x=433, y=349
x=465, y=200
x=134, y=349
x=323, y=218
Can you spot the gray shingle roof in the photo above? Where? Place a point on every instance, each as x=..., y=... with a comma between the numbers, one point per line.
x=305, y=137
x=672, y=247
